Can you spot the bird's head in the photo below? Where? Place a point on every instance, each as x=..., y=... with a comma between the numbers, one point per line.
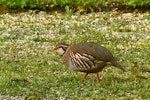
x=61, y=48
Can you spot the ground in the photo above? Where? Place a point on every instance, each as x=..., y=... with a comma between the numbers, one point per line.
x=30, y=67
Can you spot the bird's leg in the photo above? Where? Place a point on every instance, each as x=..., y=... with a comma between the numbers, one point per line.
x=85, y=76
x=97, y=77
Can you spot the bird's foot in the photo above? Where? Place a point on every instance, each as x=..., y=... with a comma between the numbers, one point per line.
x=84, y=78
x=97, y=80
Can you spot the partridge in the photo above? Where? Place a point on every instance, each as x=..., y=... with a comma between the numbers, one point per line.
x=87, y=57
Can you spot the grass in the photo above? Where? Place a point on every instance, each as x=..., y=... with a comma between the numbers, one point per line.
x=30, y=68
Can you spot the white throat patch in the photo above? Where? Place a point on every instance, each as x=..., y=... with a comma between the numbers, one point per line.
x=60, y=51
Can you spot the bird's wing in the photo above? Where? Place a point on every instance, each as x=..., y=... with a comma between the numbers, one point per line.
x=82, y=61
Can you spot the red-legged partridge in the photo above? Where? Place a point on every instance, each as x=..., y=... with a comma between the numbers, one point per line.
x=87, y=57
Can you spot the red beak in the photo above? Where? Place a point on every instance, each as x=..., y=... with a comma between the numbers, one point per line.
x=55, y=48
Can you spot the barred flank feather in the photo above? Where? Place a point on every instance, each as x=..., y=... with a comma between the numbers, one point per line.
x=82, y=62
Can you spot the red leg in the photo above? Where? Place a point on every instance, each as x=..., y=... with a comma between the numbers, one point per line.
x=97, y=77
x=85, y=76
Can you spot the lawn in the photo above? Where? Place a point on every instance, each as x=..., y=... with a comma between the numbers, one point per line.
x=29, y=68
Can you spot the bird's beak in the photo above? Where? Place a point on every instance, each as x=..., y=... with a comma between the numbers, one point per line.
x=55, y=48
x=59, y=50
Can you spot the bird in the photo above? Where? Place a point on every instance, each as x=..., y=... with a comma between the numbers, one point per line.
x=87, y=57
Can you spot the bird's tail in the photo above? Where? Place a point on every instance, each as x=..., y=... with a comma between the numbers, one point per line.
x=116, y=64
